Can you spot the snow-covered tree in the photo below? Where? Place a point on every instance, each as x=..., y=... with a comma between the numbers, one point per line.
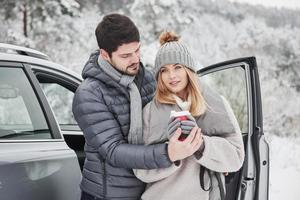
x=33, y=12
x=214, y=30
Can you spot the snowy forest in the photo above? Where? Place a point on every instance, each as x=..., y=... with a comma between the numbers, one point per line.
x=64, y=29
x=215, y=31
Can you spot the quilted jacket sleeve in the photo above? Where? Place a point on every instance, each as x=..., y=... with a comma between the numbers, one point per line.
x=102, y=132
x=152, y=175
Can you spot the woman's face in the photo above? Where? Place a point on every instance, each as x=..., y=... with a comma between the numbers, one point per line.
x=175, y=78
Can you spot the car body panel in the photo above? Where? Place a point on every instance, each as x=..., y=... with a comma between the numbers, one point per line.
x=29, y=170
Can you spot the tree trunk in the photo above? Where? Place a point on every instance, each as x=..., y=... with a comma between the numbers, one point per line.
x=25, y=31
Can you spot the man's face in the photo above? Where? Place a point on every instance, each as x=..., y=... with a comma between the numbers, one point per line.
x=126, y=58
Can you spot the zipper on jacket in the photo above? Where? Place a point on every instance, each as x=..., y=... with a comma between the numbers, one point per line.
x=104, y=179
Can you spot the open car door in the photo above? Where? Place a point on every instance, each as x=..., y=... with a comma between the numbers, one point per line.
x=238, y=81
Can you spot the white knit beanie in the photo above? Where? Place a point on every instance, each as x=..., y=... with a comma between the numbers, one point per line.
x=171, y=52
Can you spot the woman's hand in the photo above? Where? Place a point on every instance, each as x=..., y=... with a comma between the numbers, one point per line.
x=173, y=125
x=179, y=150
x=186, y=125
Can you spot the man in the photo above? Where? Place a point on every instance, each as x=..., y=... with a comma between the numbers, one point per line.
x=108, y=108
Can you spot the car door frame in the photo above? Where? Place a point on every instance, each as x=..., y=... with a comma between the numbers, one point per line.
x=254, y=182
x=44, y=152
x=72, y=134
x=64, y=79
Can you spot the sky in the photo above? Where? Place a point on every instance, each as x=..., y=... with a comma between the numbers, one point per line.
x=291, y=4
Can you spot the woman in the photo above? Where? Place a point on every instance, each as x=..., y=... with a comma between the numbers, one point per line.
x=222, y=150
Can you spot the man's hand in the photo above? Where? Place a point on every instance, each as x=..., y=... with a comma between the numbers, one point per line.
x=179, y=150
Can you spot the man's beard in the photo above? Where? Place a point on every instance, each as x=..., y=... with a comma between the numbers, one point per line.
x=127, y=71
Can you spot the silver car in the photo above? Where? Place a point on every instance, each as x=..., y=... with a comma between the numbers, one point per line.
x=41, y=146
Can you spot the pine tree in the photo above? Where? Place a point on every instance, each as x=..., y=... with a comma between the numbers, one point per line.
x=32, y=11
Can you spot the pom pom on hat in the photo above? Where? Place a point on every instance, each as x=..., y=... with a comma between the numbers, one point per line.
x=168, y=36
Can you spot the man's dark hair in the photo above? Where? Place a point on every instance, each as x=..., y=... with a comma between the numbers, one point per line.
x=115, y=30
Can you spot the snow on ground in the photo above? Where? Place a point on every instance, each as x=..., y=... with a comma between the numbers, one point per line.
x=284, y=168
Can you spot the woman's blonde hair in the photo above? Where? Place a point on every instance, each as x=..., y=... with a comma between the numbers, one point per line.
x=198, y=104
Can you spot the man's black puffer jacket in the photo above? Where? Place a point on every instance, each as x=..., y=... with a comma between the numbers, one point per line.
x=101, y=107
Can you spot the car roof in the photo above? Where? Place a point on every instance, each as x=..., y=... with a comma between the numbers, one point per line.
x=14, y=53
x=23, y=51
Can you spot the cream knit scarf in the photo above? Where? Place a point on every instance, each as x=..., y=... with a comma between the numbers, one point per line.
x=183, y=105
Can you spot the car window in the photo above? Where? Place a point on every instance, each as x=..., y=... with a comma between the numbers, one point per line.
x=21, y=117
x=231, y=84
x=59, y=88
x=60, y=100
